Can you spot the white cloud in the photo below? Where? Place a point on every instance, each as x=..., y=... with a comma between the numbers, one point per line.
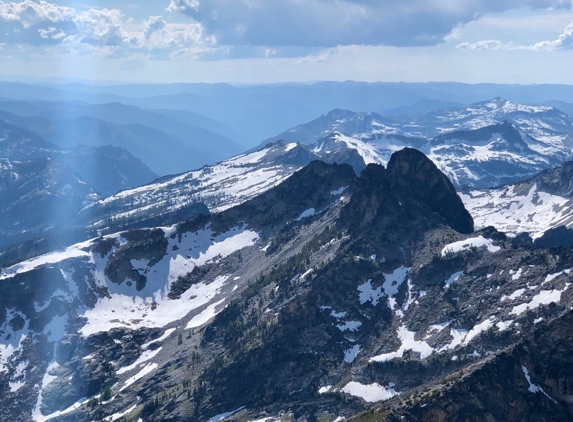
x=52, y=32
x=103, y=32
x=485, y=45
x=30, y=13
x=183, y=6
x=312, y=31
x=563, y=42
x=101, y=27
x=154, y=24
x=330, y=23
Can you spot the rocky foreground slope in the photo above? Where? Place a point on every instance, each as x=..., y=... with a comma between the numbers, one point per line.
x=329, y=296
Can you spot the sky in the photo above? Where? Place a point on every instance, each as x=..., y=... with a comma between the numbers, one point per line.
x=271, y=41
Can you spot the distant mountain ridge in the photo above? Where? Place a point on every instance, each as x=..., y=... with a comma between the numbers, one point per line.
x=166, y=142
x=43, y=185
x=484, y=144
x=256, y=112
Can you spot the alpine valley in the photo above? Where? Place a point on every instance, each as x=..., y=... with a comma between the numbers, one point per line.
x=361, y=266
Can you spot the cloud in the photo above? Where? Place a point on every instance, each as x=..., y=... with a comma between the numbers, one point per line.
x=330, y=23
x=183, y=6
x=563, y=42
x=30, y=13
x=154, y=24
x=103, y=32
x=312, y=30
x=37, y=23
x=52, y=33
x=101, y=27
x=485, y=45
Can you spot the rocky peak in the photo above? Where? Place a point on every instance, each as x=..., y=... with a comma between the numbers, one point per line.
x=289, y=153
x=314, y=187
x=411, y=190
x=411, y=173
x=558, y=181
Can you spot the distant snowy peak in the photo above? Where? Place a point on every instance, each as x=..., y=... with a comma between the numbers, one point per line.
x=506, y=106
x=482, y=145
x=343, y=121
x=484, y=157
x=538, y=121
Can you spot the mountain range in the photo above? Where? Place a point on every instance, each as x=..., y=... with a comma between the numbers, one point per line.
x=406, y=264
x=251, y=113
x=481, y=145
x=328, y=296
x=43, y=185
x=166, y=143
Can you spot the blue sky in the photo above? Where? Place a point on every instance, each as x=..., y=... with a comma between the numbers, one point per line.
x=265, y=41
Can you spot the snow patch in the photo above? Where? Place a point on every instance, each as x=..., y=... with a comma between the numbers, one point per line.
x=338, y=191
x=145, y=371
x=474, y=242
x=553, y=276
x=544, y=297
x=513, y=296
x=308, y=213
x=290, y=147
x=145, y=356
x=408, y=343
x=205, y=315
x=166, y=334
x=453, y=278
x=532, y=387
x=120, y=415
x=370, y=393
x=222, y=416
x=51, y=258
x=350, y=326
x=478, y=329
x=351, y=354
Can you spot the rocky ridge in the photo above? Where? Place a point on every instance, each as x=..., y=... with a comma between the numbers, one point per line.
x=328, y=296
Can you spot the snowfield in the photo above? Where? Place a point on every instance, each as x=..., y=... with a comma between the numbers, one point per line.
x=464, y=245
x=370, y=393
x=513, y=212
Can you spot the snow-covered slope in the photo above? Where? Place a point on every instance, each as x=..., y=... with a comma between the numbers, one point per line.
x=119, y=281
x=219, y=186
x=482, y=145
x=541, y=203
x=542, y=122
x=133, y=290
x=515, y=209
